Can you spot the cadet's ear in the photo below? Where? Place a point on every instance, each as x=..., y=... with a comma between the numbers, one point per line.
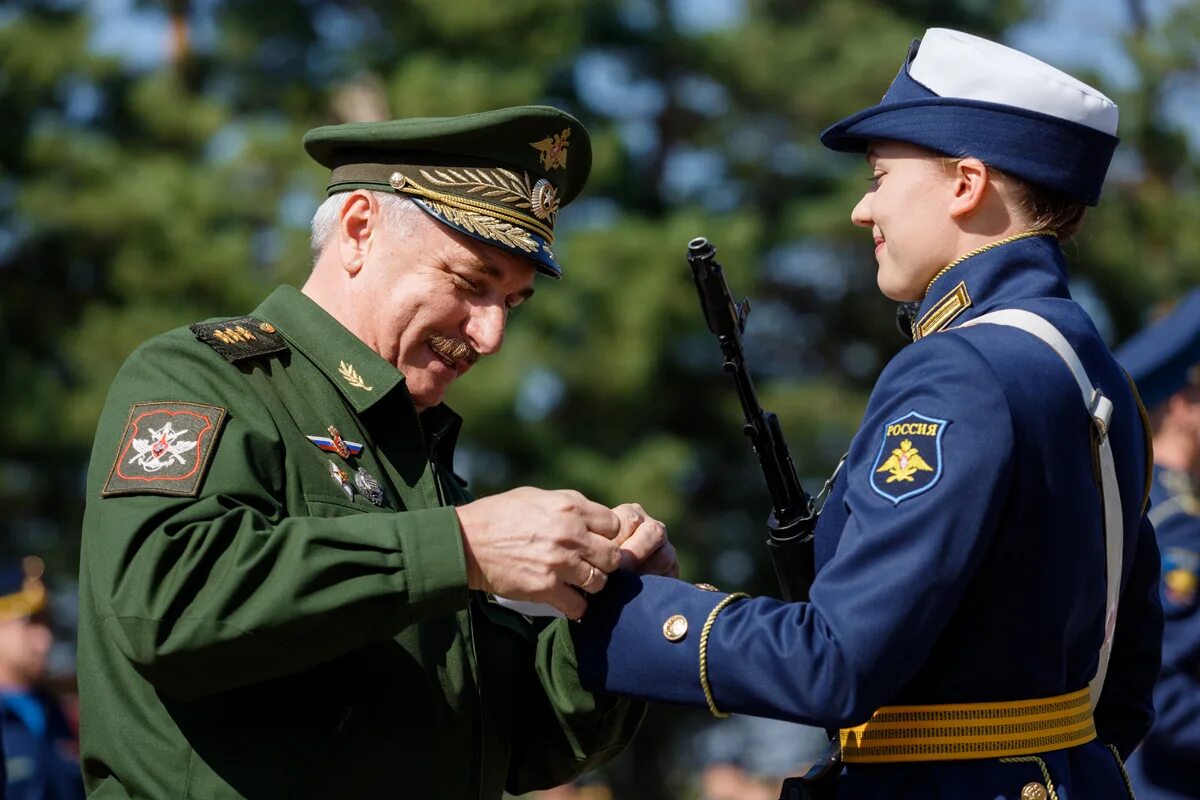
x=969, y=181
x=356, y=226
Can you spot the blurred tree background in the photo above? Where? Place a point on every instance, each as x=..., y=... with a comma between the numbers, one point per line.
x=151, y=175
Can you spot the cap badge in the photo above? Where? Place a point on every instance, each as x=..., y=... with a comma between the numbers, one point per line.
x=352, y=377
x=544, y=199
x=553, y=150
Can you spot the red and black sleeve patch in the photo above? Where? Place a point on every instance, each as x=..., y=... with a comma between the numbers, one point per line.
x=165, y=449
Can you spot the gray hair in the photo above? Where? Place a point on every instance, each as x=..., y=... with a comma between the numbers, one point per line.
x=399, y=213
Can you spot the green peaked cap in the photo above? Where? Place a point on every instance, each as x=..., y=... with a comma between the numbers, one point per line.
x=498, y=176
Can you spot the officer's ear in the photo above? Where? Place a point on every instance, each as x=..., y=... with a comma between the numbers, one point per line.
x=357, y=225
x=969, y=179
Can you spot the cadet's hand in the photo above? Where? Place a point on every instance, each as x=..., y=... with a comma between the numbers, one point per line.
x=533, y=544
x=645, y=548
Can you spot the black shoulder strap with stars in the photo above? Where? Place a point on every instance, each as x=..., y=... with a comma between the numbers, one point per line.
x=241, y=338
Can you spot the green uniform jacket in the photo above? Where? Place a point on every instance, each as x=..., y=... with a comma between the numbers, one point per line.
x=248, y=630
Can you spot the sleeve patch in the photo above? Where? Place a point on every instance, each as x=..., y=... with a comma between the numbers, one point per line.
x=165, y=449
x=1180, y=577
x=910, y=458
x=238, y=339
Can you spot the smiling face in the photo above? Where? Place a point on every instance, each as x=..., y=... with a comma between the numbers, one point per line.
x=908, y=209
x=433, y=301
x=24, y=646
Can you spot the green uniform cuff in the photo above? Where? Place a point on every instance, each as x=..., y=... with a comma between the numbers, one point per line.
x=435, y=565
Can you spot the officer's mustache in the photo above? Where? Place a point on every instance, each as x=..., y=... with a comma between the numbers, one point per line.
x=453, y=349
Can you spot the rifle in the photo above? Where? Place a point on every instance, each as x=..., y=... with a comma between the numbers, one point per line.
x=793, y=518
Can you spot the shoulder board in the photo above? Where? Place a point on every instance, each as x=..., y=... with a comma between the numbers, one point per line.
x=241, y=338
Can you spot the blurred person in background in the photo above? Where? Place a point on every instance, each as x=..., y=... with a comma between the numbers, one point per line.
x=41, y=751
x=285, y=590
x=985, y=619
x=748, y=758
x=587, y=787
x=1164, y=360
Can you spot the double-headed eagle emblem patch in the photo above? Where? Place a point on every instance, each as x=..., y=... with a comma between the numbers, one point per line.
x=552, y=151
x=910, y=457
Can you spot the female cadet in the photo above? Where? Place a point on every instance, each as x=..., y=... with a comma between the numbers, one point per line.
x=971, y=602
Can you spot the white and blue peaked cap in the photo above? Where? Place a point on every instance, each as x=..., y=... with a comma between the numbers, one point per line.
x=961, y=95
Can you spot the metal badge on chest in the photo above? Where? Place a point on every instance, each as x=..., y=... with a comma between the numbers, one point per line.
x=366, y=484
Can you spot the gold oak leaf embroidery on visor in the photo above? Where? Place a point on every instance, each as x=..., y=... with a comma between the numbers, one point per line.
x=498, y=185
x=492, y=228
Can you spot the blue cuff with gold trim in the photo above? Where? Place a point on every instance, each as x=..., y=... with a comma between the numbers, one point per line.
x=632, y=641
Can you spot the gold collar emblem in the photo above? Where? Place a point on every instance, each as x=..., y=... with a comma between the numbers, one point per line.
x=352, y=377
x=553, y=150
x=943, y=312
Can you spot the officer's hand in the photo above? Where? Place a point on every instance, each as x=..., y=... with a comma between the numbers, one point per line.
x=645, y=548
x=533, y=544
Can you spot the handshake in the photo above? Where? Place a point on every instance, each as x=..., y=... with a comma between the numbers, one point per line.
x=542, y=546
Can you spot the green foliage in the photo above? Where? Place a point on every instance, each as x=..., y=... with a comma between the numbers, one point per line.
x=134, y=200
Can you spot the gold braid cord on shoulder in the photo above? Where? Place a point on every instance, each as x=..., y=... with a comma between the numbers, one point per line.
x=708, y=623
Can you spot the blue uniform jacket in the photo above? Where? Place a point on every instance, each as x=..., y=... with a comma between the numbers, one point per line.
x=1167, y=766
x=42, y=754
x=975, y=575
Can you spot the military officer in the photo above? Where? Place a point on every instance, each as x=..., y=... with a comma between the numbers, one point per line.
x=42, y=757
x=285, y=590
x=1164, y=360
x=983, y=622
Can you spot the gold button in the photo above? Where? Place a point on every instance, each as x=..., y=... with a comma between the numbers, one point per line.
x=708, y=587
x=1033, y=791
x=675, y=628
x=266, y=327
x=397, y=180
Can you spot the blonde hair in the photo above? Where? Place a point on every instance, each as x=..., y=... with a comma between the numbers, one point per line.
x=1039, y=208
